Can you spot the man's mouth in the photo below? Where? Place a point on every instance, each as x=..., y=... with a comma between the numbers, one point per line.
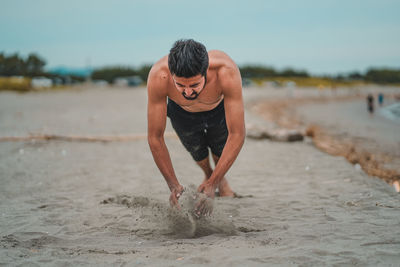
x=193, y=96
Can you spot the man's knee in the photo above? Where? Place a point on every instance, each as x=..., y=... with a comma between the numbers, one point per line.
x=215, y=158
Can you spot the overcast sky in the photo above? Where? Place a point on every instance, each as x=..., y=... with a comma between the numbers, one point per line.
x=321, y=36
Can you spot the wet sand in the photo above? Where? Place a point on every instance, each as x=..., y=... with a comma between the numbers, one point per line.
x=352, y=118
x=105, y=203
x=340, y=124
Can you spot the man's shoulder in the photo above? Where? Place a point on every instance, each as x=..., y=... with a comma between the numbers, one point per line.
x=222, y=63
x=225, y=68
x=159, y=73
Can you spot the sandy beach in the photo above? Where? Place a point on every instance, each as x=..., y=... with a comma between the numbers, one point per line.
x=339, y=124
x=71, y=203
x=351, y=118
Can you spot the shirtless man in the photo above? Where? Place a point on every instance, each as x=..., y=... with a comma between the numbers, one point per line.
x=201, y=93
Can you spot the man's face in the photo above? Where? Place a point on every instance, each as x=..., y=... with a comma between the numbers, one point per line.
x=191, y=87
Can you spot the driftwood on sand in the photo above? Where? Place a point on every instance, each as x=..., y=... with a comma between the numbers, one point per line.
x=283, y=135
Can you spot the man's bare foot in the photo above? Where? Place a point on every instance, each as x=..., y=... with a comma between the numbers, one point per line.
x=224, y=189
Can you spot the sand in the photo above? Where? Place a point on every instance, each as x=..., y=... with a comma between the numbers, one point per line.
x=105, y=203
x=339, y=123
x=351, y=118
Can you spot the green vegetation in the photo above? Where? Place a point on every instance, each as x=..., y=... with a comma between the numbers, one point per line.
x=16, y=73
x=110, y=73
x=19, y=84
x=14, y=65
x=261, y=72
x=320, y=82
x=383, y=76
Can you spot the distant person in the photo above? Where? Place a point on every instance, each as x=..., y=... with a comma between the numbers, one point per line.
x=201, y=93
x=370, y=103
x=380, y=99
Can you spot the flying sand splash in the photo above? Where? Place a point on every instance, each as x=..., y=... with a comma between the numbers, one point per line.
x=153, y=218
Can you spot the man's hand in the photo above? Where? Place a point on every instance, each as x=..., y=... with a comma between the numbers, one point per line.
x=176, y=193
x=204, y=199
x=207, y=188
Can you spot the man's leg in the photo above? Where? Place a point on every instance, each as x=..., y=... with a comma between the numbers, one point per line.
x=205, y=166
x=223, y=188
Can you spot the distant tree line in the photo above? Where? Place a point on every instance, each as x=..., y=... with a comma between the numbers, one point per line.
x=249, y=71
x=258, y=71
x=383, y=76
x=374, y=75
x=14, y=65
x=109, y=74
x=33, y=65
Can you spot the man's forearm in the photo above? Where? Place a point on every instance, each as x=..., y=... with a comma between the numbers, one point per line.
x=231, y=150
x=163, y=160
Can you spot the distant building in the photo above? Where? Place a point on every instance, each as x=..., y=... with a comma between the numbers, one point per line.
x=101, y=83
x=290, y=84
x=128, y=81
x=41, y=82
x=57, y=81
x=272, y=84
x=246, y=82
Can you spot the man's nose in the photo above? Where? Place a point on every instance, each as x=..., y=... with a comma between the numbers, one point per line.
x=188, y=91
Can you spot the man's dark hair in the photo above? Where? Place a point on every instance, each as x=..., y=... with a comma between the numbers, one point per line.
x=188, y=58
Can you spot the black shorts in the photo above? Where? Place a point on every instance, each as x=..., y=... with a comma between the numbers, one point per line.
x=199, y=131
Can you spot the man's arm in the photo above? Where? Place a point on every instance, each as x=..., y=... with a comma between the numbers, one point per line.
x=156, y=122
x=234, y=111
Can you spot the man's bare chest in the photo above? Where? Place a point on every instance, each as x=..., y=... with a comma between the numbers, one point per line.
x=208, y=99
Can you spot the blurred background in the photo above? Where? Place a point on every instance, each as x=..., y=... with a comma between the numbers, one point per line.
x=78, y=184
x=68, y=42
